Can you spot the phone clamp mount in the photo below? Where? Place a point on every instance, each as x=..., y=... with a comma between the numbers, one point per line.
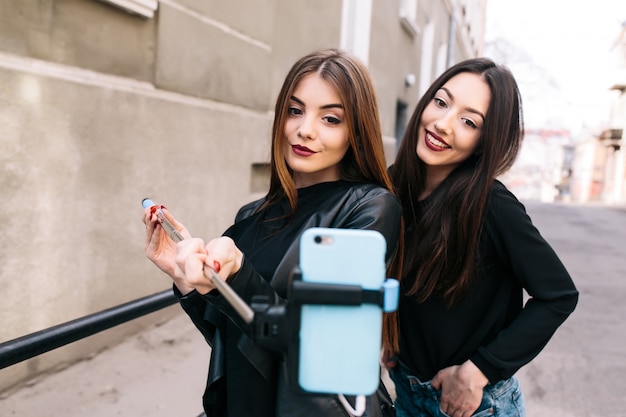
x=276, y=326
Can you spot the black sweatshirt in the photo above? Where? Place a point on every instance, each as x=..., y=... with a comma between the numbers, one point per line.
x=492, y=326
x=243, y=378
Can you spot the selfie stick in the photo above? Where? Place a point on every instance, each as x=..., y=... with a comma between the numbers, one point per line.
x=240, y=306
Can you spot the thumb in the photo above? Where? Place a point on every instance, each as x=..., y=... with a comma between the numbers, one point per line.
x=436, y=381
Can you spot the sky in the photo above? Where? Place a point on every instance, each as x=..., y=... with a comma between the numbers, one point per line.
x=559, y=52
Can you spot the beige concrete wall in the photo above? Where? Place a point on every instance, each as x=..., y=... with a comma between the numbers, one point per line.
x=77, y=160
x=202, y=56
x=81, y=33
x=389, y=78
x=101, y=108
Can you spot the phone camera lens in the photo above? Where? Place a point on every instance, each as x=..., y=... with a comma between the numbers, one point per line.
x=317, y=239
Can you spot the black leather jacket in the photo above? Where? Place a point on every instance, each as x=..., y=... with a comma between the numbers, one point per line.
x=363, y=206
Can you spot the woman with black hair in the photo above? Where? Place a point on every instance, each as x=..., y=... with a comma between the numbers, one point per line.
x=462, y=328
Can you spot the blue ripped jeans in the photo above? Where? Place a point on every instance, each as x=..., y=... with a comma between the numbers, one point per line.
x=419, y=399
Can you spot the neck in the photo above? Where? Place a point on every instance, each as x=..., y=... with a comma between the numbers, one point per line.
x=434, y=177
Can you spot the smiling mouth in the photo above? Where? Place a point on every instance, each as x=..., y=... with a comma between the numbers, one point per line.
x=302, y=150
x=436, y=143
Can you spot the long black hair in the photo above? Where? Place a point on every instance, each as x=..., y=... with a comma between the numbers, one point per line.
x=443, y=235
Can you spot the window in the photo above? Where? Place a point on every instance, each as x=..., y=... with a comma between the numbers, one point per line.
x=402, y=118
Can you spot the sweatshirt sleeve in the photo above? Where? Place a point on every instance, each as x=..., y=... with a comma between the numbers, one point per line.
x=195, y=306
x=537, y=268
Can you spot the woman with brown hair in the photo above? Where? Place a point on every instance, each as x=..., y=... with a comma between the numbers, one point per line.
x=327, y=170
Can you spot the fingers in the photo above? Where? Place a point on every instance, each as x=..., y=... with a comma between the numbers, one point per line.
x=150, y=220
x=455, y=412
x=224, y=257
x=146, y=216
x=179, y=226
x=447, y=410
x=192, y=263
x=151, y=216
x=190, y=256
x=458, y=398
x=436, y=381
x=193, y=260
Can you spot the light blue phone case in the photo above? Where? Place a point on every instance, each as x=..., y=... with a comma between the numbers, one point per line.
x=340, y=345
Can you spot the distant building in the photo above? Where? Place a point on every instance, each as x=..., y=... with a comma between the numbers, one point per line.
x=589, y=174
x=543, y=168
x=615, y=141
x=600, y=160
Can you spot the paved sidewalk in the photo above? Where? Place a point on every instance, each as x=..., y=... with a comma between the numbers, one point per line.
x=159, y=372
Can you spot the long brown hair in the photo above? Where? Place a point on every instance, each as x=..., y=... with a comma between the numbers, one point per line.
x=365, y=159
x=442, y=237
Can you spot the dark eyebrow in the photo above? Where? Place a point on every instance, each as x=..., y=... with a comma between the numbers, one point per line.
x=325, y=106
x=469, y=109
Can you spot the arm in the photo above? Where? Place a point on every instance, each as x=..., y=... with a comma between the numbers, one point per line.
x=196, y=308
x=537, y=269
x=527, y=259
x=161, y=250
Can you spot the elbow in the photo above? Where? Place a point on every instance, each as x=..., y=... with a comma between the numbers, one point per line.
x=573, y=302
x=567, y=303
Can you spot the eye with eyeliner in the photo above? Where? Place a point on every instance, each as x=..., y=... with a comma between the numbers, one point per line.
x=294, y=111
x=440, y=102
x=332, y=120
x=470, y=123
x=298, y=110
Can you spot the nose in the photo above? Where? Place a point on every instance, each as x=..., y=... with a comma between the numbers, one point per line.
x=444, y=122
x=307, y=130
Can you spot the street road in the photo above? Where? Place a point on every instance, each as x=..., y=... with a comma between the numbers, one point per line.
x=581, y=373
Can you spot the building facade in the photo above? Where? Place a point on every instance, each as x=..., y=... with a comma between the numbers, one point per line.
x=614, y=140
x=599, y=173
x=106, y=102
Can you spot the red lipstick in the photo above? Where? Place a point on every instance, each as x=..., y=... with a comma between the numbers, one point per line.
x=435, y=143
x=302, y=150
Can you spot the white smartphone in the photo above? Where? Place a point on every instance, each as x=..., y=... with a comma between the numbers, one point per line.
x=339, y=345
